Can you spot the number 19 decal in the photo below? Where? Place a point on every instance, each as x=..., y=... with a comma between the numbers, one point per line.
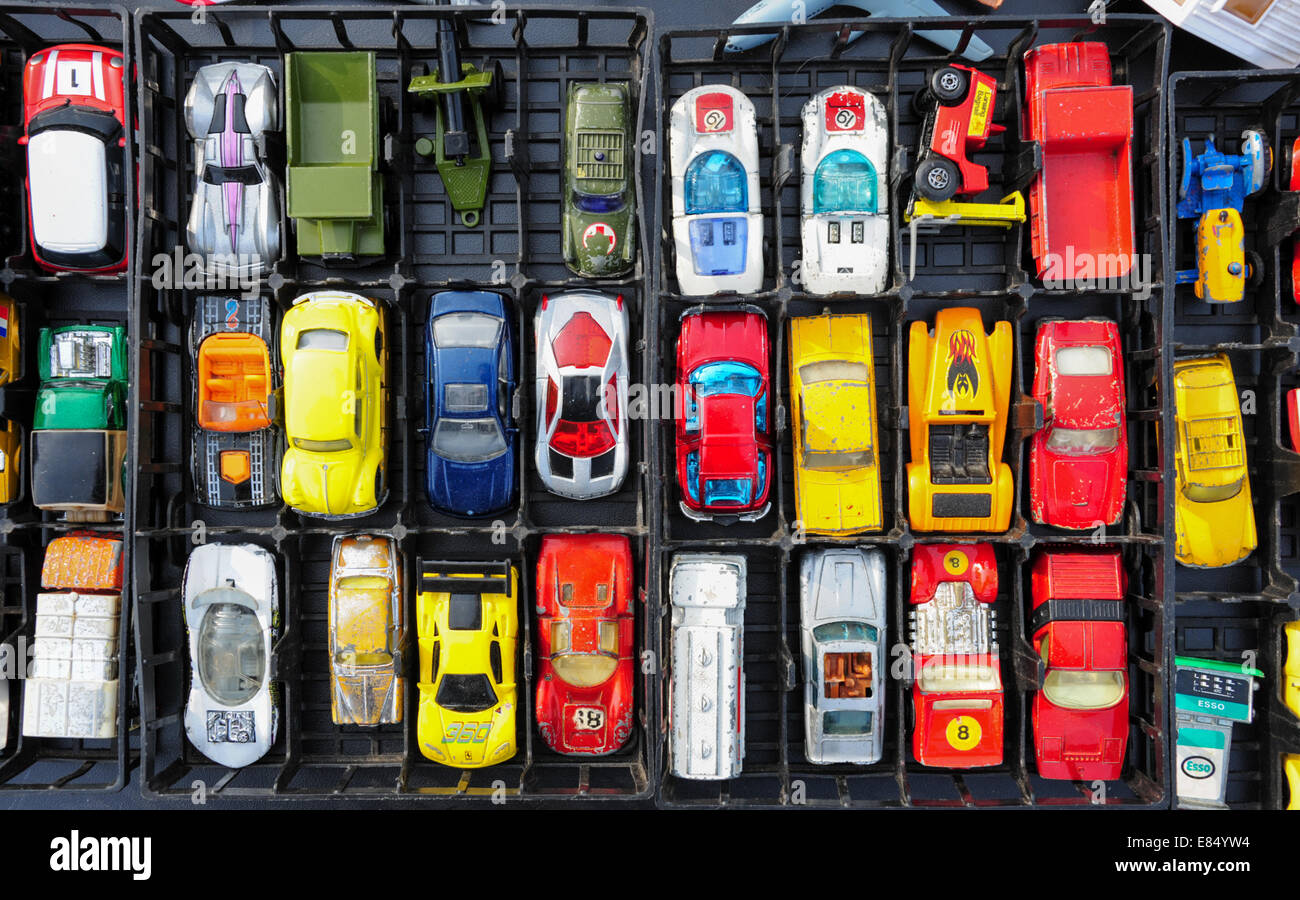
x=466, y=733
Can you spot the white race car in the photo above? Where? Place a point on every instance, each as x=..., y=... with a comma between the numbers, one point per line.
x=844, y=193
x=717, y=218
x=232, y=611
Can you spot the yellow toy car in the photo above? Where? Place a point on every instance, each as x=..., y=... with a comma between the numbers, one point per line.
x=1291, y=768
x=1214, y=521
x=335, y=398
x=958, y=395
x=1291, y=670
x=367, y=630
x=833, y=414
x=11, y=437
x=467, y=626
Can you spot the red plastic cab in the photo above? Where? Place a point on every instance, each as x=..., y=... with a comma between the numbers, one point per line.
x=586, y=640
x=958, y=123
x=724, y=446
x=957, y=689
x=1080, y=714
x=75, y=133
x=1078, y=460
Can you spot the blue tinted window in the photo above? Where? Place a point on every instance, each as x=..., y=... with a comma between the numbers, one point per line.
x=762, y=470
x=845, y=181
x=716, y=378
x=727, y=491
x=693, y=476
x=595, y=203
x=760, y=413
x=715, y=182
x=719, y=246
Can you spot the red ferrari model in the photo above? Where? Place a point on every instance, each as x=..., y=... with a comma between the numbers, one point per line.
x=585, y=625
x=958, y=123
x=724, y=446
x=1080, y=714
x=76, y=158
x=1078, y=460
x=957, y=691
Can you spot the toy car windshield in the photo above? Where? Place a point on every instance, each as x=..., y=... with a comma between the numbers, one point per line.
x=584, y=669
x=232, y=653
x=845, y=181
x=1083, y=690
x=231, y=175
x=81, y=354
x=581, y=430
x=716, y=183
x=844, y=722
x=845, y=631
x=468, y=440
x=466, y=330
x=598, y=203
x=466, y=693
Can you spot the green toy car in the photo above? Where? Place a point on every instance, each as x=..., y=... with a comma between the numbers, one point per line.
x=599, y=224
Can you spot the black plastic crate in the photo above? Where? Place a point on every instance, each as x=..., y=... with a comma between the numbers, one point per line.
x=514, y=251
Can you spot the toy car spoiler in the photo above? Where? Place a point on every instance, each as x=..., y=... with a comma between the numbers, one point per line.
x=443, y=577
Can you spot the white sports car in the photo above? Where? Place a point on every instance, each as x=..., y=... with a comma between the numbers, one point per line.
x=581, y=396
x=844, y=193
x=232, y=611
x=717, y=217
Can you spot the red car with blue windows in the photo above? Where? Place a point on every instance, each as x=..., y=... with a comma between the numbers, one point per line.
x=724, y=443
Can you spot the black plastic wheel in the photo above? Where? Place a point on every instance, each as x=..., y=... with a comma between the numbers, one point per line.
x=937, y=178
x=949, y=85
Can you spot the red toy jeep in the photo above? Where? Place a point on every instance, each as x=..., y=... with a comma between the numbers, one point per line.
x=959, y=121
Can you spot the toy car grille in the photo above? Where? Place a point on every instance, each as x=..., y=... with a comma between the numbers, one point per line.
x=600, y=155
x=959, y=454
x=953, y=622
x=81, y=354
x=1214, y=444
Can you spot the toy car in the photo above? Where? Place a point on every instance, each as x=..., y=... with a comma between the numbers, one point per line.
x=235, y=456
x=581, y=393
x=11, y=433
x=1214, y=520
x=707, y=682
x=367, y=626
x=833, y=417
x=717, y=220
x=75, y=134
x=336, y=405
x=724, y=444
x=958, y=394
x=78, y=449
x=959, y=104
x=468, y=395
x=1291, y=668
x=234, y=219
x=844, y=193
x=1078, y=460
x=467, y=621
x=231, y=601
x=957, y=689
x=599, y=208
x=842, y=604
x=586, y=642
x=71, y=689
x=1077, y=625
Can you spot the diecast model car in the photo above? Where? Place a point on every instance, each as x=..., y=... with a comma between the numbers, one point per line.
x=842, y=604
x=336, y=405
x=468, y=394
x=960, y=104
x=706, y=709
x=235, y=455
x=1077, y=625
x=1291, y=668
x=957, y=688
x=599, y=228
x=467, y=621
x=844, y=193
x=367, y=630
x=958, y=395
x=586, y=642
x=1078, y=460
x=75, y=134
x=11, y=434
x=1214, y=520
x=717, y=217
x=581, y=393
x=234, y=220
x=78, y=444
x=724, y=444
x=231, y=601
x=833, y=416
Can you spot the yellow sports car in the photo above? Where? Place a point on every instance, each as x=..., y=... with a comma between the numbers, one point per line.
x=11, y=439
x=833, y=413
x=335, y=399
x=467, y=623
x=1214, y=522
x=1291, y=671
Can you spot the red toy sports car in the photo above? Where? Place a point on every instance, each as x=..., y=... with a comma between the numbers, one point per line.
x=1079, y=458
x=76, y=158
x=1080, y=714
x=958, y=122
x=724, y=446
x=957, y=692
x=586, y=642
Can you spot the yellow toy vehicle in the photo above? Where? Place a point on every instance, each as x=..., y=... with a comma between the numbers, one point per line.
x=467, y=624
x=833, y=414
x=1291, y=688
x=1214, y=522
x=11, y=438
x=958, y=394
x=335, y=398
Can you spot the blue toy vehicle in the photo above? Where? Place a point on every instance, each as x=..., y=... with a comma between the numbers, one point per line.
x=469, y=390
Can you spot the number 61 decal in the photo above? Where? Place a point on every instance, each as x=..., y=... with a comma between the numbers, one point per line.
x=466, y=733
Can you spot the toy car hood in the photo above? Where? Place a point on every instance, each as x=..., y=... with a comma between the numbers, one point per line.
x=574, y=709
x=495, y=725
x=960, y=387
x=732, y=334
x=933, y=564
x=842, y=585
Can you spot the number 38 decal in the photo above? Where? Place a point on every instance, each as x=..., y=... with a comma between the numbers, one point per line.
x=466, y=733
x=588, y=718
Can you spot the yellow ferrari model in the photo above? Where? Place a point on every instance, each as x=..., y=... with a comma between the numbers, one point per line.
x=467, y=627
x=1291, y=767
x=335, y=399
x=833, y=413
x=11, y=438
x=1291, y=671
x=1214, y=521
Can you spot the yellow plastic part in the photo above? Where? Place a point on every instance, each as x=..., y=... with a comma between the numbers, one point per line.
x=1003, y=214
x=1221, y=267
x=10, y=436
x=1291, y=768
x=1291, y=684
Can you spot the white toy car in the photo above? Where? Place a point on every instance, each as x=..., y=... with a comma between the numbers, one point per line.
x=232, y=611
x=844, y=193
x=581, y=393
x=842, y=606
x=707, y=696
x=717, y=218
